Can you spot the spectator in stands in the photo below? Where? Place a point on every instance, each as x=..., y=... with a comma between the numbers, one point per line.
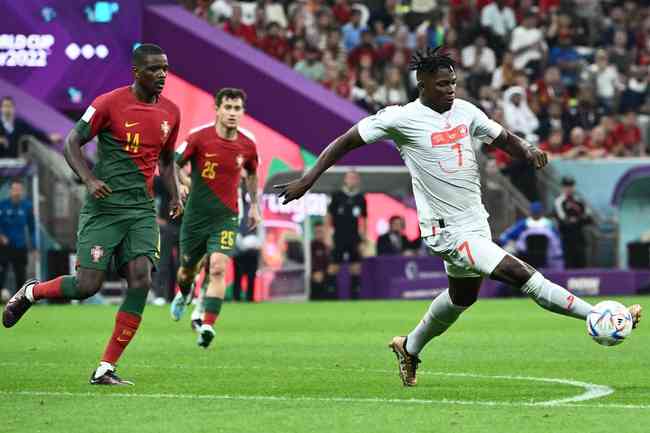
x=311, y=66
x=584, y=112
x=346, y=217
x=13, y=130
x=536, y=239
x=394, y=242
x=504, y=76
x=578, y=141
x=572, y=215
x=17, y=233
x=274, y=11
x=352, y=31
x=549, y=88
x=528, y=45
x=363, y=93
x=552, y=118
x=366, y=48
x=392, y=91
x=480, y=62
x=237, y=28
x=320, y=260
x=622, y=54
x=274, y=43
x=628, y=137
x=566, y=57
x=499, y=21
x=605, y=79
x=636, y=89
x=597, y=145
x=555, y=145
x=342, y=11
x=518, y=115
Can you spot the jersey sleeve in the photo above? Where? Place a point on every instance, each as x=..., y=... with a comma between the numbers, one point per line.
x=95, y=119
x=173, y=136
x=252, y=159
x=185, y=150
x=482, y=127
x=380, y=126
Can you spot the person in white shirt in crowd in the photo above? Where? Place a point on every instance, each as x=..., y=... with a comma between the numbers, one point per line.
x=518, y=115
x=479, y=61
x=528, y=45
x=499, y=20
x=434, y=135
x=606, y=78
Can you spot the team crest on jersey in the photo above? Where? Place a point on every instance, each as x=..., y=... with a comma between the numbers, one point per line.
x=239, y=159
x=165, y=128
x=96, y=253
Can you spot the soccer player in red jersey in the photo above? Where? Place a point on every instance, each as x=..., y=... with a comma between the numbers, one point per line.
x=218, y=152
x=136, y=127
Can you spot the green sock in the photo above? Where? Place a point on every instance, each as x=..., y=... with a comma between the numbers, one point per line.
x=211, y=309
x=134, y=301
x=70, y=287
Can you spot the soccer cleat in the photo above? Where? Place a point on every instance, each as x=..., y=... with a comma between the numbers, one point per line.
x=177, y=307
x=407, y=363
x=635, y=311
x=196, y=325
x=108, y=378
x=17, y=305
x=206, y=335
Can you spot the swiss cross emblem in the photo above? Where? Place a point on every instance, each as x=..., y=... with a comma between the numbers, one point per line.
x=165, y=128
x=96, y=253
x=239, y=160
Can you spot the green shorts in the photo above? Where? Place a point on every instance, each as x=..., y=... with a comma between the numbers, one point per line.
x=126, y=236
x=197, y=240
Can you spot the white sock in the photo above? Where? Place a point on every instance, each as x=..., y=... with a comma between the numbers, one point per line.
x=29, y=292
x=552, y=297
x=103, y=368
x=441, y=315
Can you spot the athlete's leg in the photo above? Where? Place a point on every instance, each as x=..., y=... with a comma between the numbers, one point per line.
x=443, y=312
x=214, y=297
x=545, y=293
x=127, y=320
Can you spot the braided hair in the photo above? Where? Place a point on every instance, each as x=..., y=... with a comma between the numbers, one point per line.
x=430, y=60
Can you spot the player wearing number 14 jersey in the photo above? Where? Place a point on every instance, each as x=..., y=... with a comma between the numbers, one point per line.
x=434, y=137
x=136, y=128
x=219, y=154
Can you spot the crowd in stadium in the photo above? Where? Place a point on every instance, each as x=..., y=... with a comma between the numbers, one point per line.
x=570, y=75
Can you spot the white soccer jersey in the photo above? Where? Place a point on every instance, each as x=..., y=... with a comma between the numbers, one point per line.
x=437, y=149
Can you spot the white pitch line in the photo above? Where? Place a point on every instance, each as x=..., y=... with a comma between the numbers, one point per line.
x=592, y=391
x=315, y=399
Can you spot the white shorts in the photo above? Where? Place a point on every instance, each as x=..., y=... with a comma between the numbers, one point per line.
x=466, y=247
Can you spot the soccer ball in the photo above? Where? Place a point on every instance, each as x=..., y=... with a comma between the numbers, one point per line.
x=609, y=323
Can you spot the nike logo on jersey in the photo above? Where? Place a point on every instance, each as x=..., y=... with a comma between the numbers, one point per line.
x=210, y=155
x=128, y=125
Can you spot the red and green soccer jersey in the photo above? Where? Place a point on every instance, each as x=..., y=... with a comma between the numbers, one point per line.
x=131, y=136
x=216, y=172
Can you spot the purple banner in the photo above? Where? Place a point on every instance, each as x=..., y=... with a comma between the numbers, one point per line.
x=66, y=52
x=398, y=277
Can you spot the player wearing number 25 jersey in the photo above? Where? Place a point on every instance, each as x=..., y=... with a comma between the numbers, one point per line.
x=434, y=136
x=219, y=153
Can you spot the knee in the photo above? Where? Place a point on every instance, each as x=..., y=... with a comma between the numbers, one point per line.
x=140, y=280
x=513, y=271
x=218, y=267
x=88, y=285
x=463, y=298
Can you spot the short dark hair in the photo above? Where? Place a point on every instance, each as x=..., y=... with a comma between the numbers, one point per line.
x=395, y=218
x=144, y=50
x=17, y=180
x=430, y=60
x=229, y=93
x=8, y=98
x=319, y=224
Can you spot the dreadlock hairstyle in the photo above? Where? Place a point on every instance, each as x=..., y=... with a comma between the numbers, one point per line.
x=430, y=60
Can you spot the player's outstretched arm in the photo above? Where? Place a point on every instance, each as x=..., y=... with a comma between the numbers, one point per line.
x=520, y=149
x=75, y=159
x=328, y=157
x=169, y=174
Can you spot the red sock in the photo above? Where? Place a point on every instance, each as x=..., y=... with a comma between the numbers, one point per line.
x=48, y=289
x=209, y=318
x=126, y=325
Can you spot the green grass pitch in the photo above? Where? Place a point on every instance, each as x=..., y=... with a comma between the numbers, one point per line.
x=323, y=367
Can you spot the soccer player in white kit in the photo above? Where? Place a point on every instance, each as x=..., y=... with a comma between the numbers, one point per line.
x=434, y=137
